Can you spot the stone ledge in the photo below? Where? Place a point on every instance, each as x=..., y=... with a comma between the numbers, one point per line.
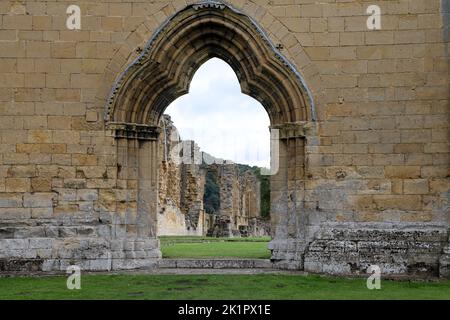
x=216, y=264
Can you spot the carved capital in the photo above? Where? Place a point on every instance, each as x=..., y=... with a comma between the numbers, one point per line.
x=301, y=129
x=134, y=131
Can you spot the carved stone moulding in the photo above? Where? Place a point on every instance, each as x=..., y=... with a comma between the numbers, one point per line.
x=300, y=129
x=134, y=131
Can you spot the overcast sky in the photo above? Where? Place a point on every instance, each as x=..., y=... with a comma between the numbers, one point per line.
x=223, y=121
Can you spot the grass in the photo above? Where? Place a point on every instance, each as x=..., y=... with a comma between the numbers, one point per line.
x=242, y=287
x=203, y=247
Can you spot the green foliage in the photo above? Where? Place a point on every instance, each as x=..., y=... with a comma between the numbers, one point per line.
x=265, y=191
x=211, y=198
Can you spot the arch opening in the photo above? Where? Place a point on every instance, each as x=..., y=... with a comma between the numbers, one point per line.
x=221, y=193
x=221, y=119
x=163, y=72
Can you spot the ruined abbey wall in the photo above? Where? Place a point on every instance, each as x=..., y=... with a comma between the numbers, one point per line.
x=181, y=185
x=181, y=191
x=364, y=180
x=240, y=203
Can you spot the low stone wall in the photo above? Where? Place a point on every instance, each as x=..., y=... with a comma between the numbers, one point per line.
x=259, y=227
x=218, y=263
x=343, y=249
x=172, y=222
x=91, y=254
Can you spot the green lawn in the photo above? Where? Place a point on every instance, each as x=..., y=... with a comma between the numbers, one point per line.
x=217, y=287
x=202, y=247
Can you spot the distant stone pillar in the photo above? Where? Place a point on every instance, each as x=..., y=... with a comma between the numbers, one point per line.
x=226, y=174
x=226, y=184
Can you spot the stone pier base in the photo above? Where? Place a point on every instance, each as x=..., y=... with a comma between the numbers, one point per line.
x=90, y=254
x=341, y=249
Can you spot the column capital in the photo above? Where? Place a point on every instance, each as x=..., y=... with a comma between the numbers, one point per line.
x=300, y=129
x=134, y=131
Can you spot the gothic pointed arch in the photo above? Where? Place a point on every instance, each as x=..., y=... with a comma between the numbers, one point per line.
x=193, y=35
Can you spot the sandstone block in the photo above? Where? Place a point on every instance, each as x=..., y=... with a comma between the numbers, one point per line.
x=403, y=172
x=38, y=200
x=406, y=202
x=42, y=213
x=87, y=195
x=91, y=116
x=41, y=184
x=41, y=243
x=39, y=136
x=84, y=160
x=63, y=50
x=17, y=184
x=10, y=200
x=37, y=49
x=415, y=186
x=15, y=213
x=439, y=185
x=17, y=22
x=26, y=171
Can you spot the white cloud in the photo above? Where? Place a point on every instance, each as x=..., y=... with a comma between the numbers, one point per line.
x=222, y=120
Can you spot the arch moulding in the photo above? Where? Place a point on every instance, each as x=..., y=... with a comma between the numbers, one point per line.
x=163, y=70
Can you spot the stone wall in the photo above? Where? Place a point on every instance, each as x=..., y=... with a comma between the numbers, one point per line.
x=372, y=155
x=181, y=184
x=240, y=203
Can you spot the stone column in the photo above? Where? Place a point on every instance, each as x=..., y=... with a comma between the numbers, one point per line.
x=134, y=242
x=289, y=221
x=147, y=204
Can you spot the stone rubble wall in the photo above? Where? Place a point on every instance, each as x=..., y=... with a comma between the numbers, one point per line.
x=181, y=184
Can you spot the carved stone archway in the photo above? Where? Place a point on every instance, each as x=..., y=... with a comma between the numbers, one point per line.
x=163, y=72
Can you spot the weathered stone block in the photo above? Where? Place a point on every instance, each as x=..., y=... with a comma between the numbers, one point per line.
x=29, y=232
x=403, y=172
x=405, y=202
x=17, y=184
x=15, y=213
x=14, y=244
x=38, y=200
x=10, y=200
x=41, y=243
